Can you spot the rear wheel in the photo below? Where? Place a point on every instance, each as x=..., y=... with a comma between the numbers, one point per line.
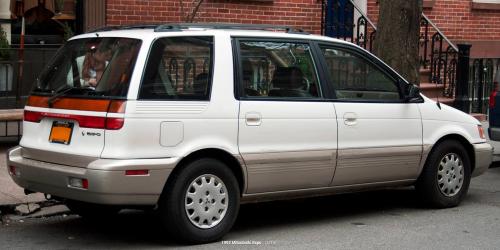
x=445, y=179
x=200, y=204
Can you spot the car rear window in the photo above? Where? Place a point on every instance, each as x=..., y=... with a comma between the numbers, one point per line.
x=98, y=67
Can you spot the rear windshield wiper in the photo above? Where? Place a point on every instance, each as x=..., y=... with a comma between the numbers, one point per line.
x=63, y=91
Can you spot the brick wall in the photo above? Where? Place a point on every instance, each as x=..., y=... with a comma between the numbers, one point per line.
x=305, y=14
x=460, y=22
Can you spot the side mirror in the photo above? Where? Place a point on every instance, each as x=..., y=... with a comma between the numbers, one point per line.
x=412, y=94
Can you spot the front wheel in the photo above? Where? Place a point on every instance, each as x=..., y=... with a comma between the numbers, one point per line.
x=444, y=182
x=200, y=204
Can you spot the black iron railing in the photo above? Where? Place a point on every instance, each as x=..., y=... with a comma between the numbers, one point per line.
x=482, y=82
x=343, y=19
x=439, y=55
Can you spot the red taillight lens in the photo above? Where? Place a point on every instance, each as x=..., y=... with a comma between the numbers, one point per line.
x=111, y=123
x=89, y=121
x=31, y=116
x=114, y=123
x=137, y=172
x=85, y=184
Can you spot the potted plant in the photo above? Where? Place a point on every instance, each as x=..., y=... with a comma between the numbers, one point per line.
x=68, y=32
x=6, y=69
x=59, y=6
x=4, y=45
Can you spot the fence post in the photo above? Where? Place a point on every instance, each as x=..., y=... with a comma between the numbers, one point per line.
x=462, y=95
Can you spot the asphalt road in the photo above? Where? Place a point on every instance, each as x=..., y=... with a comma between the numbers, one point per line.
x=386, y=219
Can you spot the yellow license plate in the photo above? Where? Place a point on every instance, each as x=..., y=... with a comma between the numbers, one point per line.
x=61, y=132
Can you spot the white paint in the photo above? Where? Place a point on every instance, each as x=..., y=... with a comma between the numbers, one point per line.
x=284, y=126
x=172, y=133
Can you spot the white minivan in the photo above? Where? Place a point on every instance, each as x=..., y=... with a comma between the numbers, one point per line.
x=193, y=120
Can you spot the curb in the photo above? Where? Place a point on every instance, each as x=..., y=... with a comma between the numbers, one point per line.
x=47, y=208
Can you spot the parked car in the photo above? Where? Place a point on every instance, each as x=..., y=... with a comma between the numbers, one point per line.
x=494, y=111
x=195, y=119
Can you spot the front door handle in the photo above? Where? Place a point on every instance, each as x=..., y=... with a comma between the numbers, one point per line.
x=350, y=119
x=253, y=119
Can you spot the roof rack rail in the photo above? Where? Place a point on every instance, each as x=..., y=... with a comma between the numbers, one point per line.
x=124, y=27
x=179, y=26
x=169, y=27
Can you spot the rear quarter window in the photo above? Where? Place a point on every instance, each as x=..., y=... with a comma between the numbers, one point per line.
x=178, y=68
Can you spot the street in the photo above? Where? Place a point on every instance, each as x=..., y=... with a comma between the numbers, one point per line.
x=386, y=219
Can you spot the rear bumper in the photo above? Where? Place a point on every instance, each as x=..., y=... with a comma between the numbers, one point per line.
x=107, y=182
x=484, y=156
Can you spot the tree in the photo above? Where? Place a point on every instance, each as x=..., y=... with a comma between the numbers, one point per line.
x=397, y=38
x=193, y=7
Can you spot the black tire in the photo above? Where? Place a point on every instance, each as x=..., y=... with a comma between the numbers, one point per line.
x=92, y=211
x=427, y=185
x=172, y=202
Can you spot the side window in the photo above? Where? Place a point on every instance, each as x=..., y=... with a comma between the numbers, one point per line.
x=355, y=78
x=277, y=70
x=178, y=68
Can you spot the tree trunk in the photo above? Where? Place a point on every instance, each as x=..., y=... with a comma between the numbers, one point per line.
x=397, y=38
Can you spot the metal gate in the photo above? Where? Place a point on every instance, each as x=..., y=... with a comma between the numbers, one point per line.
x=481, y=83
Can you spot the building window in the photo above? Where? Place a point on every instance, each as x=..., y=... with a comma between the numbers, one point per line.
x=486, y=4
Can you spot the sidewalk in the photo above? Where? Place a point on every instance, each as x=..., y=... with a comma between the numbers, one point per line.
x=10, y=192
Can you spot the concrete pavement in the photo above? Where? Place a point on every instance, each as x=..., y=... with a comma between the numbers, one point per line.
x=10, y=192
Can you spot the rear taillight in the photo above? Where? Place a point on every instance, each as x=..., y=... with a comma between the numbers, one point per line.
x=32, y=116
x=84, y=121
x=115, y=107
x=114, y=123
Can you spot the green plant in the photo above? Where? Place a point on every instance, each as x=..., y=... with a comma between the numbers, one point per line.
x=4, y=45
x=68, y=32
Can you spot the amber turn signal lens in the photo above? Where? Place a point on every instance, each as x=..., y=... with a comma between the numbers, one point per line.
x=481, y=132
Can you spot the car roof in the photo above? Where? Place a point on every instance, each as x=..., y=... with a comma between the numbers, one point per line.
x=151, y=31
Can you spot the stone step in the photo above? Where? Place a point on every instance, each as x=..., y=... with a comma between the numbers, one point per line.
x=444, y=100
x=432, y=90
x=480, y=117
x=424, y=71
x=425, y=75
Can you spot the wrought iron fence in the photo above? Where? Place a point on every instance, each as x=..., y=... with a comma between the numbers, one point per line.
x=439, y=55
x=15, y=87
x=481, y=82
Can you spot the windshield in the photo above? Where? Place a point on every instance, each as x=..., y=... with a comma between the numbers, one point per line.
x=99, y=67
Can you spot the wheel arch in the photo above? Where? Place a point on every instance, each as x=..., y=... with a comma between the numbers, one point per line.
x=235, y=165
x=454, y=137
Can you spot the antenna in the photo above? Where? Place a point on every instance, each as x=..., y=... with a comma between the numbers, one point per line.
x=438, y=103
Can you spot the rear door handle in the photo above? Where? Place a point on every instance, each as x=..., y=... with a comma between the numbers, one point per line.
x=253, y=119
x=350, y=119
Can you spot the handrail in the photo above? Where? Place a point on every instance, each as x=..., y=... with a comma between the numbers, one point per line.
x=440, y=33
x=363, y=14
